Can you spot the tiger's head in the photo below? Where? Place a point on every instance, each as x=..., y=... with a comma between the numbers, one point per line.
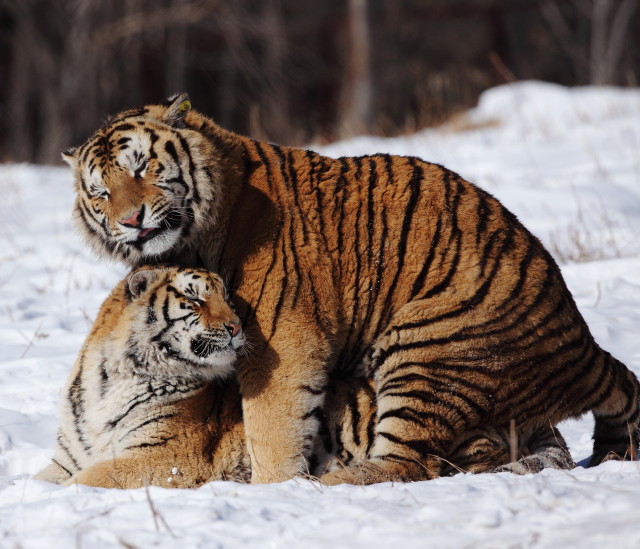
x=144, y=182
x=177, y=323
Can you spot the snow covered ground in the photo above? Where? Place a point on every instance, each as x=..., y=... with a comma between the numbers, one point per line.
x=567, y=162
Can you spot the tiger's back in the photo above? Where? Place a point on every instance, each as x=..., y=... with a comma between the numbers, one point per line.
x=384, y=264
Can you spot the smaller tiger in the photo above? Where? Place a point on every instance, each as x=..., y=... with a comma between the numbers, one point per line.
x=150, y=399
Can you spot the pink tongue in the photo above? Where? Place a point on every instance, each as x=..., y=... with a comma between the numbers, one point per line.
x=145, y=232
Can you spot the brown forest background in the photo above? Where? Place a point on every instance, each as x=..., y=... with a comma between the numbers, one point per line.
x=292, y=71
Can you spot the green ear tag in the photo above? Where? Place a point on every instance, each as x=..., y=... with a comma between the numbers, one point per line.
x=184, y=106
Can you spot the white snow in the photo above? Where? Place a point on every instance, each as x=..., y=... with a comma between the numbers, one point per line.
x=566, y=161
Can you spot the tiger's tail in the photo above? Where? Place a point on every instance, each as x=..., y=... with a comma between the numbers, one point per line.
x=617, y=414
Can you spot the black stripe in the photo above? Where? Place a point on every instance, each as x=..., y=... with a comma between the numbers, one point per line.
x=161, y=442
x=431, y=399
x=149, y=395
x=340, y=187
x=147, y=422
x=352, y=406
x=283, y=288
x=435, y=241
x=379, y=272
x=414, y=185
x=355, y=300
x=154, y=137
x=296, y=199
x=339, y=449
x=551, y=386
x=82, y=214
x=76, y=398
x=313, y=390
x=483, y=212
x=316, y=413
x=192, y=168
x=314, y=176
x=441, y=387
x=170, y=148
x=104, y=377
x=120, y=128
x=63, y=467
x=265, y=161
x=466, y=333
x=373, y=180
x=422, y=447
x=481, y=292
x=151, y=313
x=253, y=311
x=67, y=451
x=296, y=264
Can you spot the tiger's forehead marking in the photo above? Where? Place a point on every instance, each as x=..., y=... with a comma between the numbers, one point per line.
x=200, y=281
x=121, y=134
x=125, y=145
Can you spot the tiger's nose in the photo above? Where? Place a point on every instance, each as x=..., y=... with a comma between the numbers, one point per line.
x=232, y=327
x=134, y=221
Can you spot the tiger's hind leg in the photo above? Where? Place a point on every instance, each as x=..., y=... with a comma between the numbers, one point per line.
x=617, y=414
x=499, y=450
x=426, y=399
x=545, y=448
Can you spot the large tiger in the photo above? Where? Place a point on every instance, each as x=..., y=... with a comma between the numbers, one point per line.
x=145, y=403
x=381, y=264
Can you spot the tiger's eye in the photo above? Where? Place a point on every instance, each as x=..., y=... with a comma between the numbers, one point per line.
x=194, y=299
x=100, y=193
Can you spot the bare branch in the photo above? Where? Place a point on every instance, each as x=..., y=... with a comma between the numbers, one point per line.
x=136, y=23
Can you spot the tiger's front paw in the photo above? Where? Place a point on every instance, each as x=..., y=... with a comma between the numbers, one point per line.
x=362, y=473
x=376, y=470
x=276, y=473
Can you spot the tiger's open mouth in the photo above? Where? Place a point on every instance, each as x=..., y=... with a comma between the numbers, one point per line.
x=171, y=221
x=148, y=234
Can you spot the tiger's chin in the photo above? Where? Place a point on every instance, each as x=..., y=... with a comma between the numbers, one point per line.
x=154, y=245
x=162, y=242
x=219, y=364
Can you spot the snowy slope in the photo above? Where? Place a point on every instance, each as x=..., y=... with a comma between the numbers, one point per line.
x=567, y=162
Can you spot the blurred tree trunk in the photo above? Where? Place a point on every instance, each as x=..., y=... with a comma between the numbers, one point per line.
x=233, y=57
x=274, y=117
x=596, y=60
x=131, y=69
x=610, y=24
x=19, y=97
x=354, y=114
x=56, y=77
x=175, y=80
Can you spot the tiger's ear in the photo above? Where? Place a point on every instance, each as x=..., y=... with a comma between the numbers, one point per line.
x=178, y=107
x=138, y=282
x=69, y=156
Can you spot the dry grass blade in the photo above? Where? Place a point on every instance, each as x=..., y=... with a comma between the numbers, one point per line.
x=157, y=517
